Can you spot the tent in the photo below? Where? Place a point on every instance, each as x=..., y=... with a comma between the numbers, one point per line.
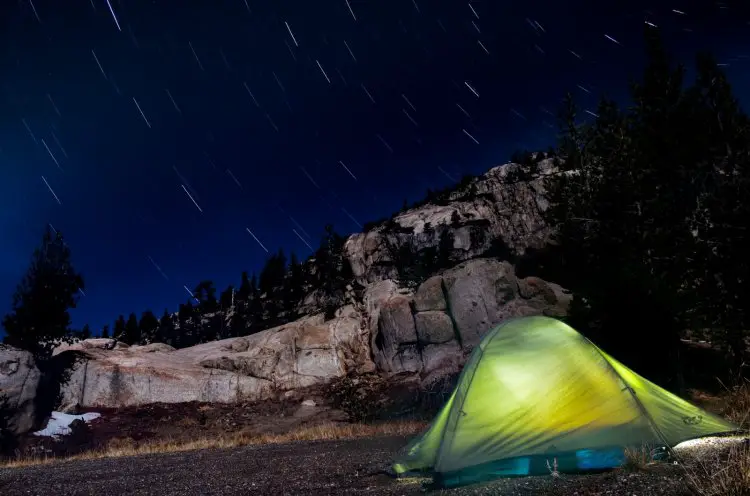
x=534, y=392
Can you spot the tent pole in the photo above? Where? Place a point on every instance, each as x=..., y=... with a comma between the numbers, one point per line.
x=637, y=401
x=454, y=416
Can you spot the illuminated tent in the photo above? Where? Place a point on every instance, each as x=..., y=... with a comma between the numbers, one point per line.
x=535, y=391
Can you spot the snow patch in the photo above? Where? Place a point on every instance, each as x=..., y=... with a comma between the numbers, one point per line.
x=59, y=424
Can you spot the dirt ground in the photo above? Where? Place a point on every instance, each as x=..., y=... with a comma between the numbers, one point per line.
x=358, y=466
x=182, y=422
x=319, y=467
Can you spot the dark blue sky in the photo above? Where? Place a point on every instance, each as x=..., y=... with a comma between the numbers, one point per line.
x=73, y=85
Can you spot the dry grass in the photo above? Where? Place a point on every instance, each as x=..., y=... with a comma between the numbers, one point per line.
x=328, y=431
x=736, y=404
x=725, y=472
x=637, y=459
x=721, y=474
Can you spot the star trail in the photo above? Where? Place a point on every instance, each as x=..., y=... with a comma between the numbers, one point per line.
x=172, y=142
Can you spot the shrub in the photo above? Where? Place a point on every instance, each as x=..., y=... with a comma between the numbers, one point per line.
x=736, y=404
x=362, y=398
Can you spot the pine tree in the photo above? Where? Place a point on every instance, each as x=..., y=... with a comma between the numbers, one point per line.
x=207, y=307
x=271, y=284
x=611, y=224
x=253, y=312
x=294, y=284
x=227, y=314
x=649, y=208
x=166, y=332
x=272, y=275
x=105, y=332
x=148, y=327
x=39, y=319
x=205, y=294
x=85, y=332
x=132, y=330
x=119, y=331
x=332, y=270
x=243, y=293
x=226, y=298
x=187, y=334
x=722, y=186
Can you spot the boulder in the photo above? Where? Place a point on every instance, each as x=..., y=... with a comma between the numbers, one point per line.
x=430, y=296
x=295, y=355
x=441, y=360
x=19, y=381
x=479, y=292
x=434, y=327
x=396, y=339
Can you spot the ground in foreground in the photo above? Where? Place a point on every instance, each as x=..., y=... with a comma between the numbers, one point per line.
x=317, y=467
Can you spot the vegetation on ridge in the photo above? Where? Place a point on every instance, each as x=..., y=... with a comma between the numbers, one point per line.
x=651, y=207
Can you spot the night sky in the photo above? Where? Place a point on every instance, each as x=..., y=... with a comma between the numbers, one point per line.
x=154, y=134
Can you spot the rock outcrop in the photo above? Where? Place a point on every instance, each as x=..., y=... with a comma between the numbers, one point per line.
x=427, y=332
x=19, y=382
x=300, y=354
x=493, y=207
x=421, y=328
x=432, y=331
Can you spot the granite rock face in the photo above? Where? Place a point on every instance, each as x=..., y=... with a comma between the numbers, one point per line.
x=433, y=331
x=19, y=382
x=300, y=354
x=495, y=206
x=425, y=330
x=428, y=332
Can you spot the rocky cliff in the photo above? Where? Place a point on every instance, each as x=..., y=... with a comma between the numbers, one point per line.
x=495, y=208
x=427, y=332
x=421, y=327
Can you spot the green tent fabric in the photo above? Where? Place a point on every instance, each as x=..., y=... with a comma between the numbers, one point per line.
x=535, y=391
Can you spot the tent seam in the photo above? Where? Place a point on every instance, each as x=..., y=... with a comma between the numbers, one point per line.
x=480, y=350
x=460, y=408
x=632, y=394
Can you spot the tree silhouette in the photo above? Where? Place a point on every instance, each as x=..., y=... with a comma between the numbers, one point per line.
x=205, y=293
x=166, y=332
x=148, y=327
x=39, y=319
x=226, y=298
x=132, y=330
x=649, y=208
x=253, y=310
x=189, y=326
x=332, y=271
x=722, y=187
x=118, y=332
x=294, y=284
x=271, y=284
x=272, y=275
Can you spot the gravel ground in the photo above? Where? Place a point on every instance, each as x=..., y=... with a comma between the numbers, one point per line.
x=321, y=467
